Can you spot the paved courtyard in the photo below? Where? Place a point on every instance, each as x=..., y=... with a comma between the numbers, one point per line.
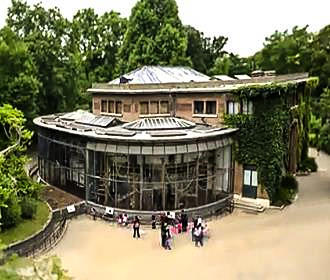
x=289, y=244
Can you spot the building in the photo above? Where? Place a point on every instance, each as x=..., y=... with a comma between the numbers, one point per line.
x=156, y=140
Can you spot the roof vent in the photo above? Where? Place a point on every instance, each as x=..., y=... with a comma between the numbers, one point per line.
x=257, y=73
x=270, y=73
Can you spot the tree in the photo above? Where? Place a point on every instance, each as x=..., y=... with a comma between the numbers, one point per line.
x=321, y=58
x=19, y=85
x=14, y=182
x=203, y=51
x=286, y=52
x=231, y=64
x=154, y=36
x=98, y=39
x=47, y=35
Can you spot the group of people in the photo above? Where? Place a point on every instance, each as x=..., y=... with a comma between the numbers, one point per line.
x=179, y=223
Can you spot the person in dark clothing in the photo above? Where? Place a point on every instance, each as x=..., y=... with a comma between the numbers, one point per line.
x=198, y=235
x=184, y=221
x=163, y=233
x=136, y=227
x=168, y=238
x=153, y=222
x=93, y=212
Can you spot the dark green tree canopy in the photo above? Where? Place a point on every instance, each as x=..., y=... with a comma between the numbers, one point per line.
x=154, y=36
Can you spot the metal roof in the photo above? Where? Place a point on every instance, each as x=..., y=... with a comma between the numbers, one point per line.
x=242, y=77
x=223, y=78
x=159, y=124
x=162, y=74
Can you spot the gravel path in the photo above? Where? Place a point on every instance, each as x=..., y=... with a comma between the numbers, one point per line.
x=289, y=244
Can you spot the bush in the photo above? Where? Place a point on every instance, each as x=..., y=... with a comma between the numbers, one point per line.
x=11, y=215
x=308, y=164
x=289, y=182
x=324, y=141
x=287, y=190
x=29, y=207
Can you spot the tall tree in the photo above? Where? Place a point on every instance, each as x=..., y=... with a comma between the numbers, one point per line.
x=18, y=82
x=98, y=39
x=47, y=34
x=154, y=36
x=203, y=51
x=286, y=52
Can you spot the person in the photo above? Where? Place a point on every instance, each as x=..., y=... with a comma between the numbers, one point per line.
x=93, y=213
x=163, y=233
x=168, y=238
x=184, y=221
x=199, y=221
x=136, y=227
x=125, y=220
x=153, y=221
x=120, y=219
x=198, y=236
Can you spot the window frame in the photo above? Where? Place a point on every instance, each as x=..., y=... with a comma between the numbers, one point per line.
x=245, y=106
x=159, y=108
x=204, y=113
x=115, y=112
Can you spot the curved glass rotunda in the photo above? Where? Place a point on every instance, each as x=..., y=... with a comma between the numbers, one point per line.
x=149, y=164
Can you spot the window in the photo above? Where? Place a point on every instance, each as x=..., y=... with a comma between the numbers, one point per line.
x=164, y=107
x=198, y=107
x=233, y=108
x=247, y=106
x=211, y=107
x=154, y=107
x=144, y=108
x=244, y=107
x=104, y=105
x=205, y=107
x=111, y=107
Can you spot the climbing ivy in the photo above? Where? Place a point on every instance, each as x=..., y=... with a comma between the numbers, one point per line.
x=263, y=137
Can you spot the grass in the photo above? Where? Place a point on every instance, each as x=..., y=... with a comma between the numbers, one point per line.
x=27, y=227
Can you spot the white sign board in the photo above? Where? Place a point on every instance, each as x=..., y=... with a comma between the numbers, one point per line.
x=71, y=208
x=109, y=210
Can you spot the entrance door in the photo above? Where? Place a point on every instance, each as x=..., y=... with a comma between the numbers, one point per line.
x=250, y=182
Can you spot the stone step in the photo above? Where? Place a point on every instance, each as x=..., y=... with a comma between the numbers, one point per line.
x=248, y=206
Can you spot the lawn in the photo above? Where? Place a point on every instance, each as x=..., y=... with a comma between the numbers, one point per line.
x=27, y=227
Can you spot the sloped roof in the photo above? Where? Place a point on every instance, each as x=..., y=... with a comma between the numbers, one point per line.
x=162, y=74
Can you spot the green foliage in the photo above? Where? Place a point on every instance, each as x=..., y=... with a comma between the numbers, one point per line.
x=289, y=182
x=286, y=52
x=263, y=137
x=11, y=215
x=154, y=36
x=18, y=82
x=324, y=141
x=14, y=182
x=308, y=164
x=27, y=227
x=46, y=268
x=29, y=207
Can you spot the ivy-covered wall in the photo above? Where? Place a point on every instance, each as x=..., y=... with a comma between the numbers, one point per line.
x=263, y=137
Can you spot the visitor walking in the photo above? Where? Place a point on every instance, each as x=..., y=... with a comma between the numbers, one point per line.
x=153, y=221
x=136, y=227
x=93, y=213
x=198, y=233
x=163, y=233
x=125, y=220
x=168, y=238
x=184, y=221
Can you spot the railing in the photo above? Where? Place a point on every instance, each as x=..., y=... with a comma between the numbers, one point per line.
x=217, y=208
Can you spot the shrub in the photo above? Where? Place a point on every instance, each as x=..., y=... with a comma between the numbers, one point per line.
x=29, y=207
x=309, y=164
x=11, y=215
x=325, y=138
x=289, y=182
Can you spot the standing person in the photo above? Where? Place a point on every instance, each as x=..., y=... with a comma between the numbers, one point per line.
x=168, y=238
x=93, y=212
x=163, y=233
x=125, y=219
x=199, y=236
x=153, y=221
x=136, y=227
x=184, y=221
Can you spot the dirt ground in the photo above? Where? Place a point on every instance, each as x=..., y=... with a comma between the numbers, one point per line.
x=289, y=244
